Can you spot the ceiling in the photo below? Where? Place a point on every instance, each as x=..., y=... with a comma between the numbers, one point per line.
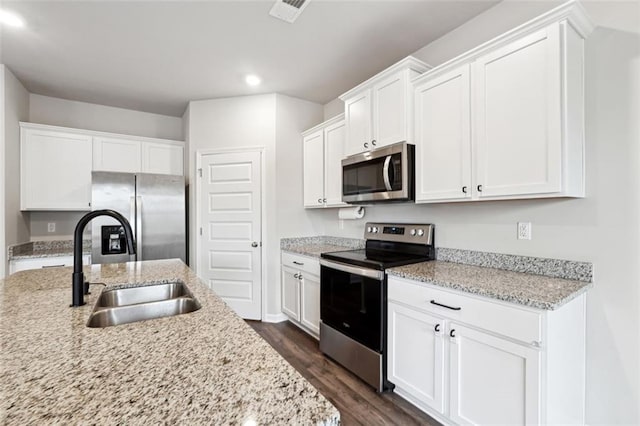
x=156, y=56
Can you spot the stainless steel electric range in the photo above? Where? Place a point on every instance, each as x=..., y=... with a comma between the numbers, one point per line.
x=353, y=296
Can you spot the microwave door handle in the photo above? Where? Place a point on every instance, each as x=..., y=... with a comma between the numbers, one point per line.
x=385, y=173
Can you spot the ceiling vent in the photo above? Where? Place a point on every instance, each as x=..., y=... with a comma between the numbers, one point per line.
x=288, y=10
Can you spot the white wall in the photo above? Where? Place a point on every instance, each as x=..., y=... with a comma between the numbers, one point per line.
x=602, y=228
x=333, y=108
x=15, y=109
x=3, y=245
x=83, y=115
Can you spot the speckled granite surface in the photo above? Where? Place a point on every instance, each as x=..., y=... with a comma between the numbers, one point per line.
x=567, y=269
x=39, y=249
x=314, y=246
x=206, y=367
x=536, y=291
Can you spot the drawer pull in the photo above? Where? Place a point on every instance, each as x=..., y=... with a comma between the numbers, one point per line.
x=452, y=333
x=295, y=276
x=437, y=328
x=52, y=266
x=433, y=302
x=298, y=263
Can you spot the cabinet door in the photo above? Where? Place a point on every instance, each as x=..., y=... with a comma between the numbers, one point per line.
x=493, y=381
x=310, y=302
x=162, y=158
x=443, y=137
x=415, y=361
x=55, y=170
x=334, y=136
x=290, y=293
x=357, y=116
x=390, y=110
x=313, y=166
x=517, y=123
x=116, y=155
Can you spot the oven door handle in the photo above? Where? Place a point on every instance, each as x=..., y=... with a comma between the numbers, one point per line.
x=385, y=173
x=356, y=270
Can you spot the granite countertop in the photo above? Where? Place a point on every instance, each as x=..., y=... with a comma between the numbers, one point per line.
x=205, y=367
x=536, y=291
x=315, y=246
x=42, y=249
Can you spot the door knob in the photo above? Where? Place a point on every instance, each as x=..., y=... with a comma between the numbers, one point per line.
x=254, y=244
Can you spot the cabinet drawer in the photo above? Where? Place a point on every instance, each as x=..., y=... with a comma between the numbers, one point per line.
x=44, y=262
x=301, y=262
x=497, y=317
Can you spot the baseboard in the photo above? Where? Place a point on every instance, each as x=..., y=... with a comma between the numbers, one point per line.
x=275, y=317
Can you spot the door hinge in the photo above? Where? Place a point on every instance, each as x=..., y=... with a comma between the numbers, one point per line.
x=200, y=172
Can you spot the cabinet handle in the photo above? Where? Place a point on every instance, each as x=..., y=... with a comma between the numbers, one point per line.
x=366, y=145
x=298, y=263
x=299, y=276
x=437, y=328
x=324, y=200
x=320, y=200
x=479, y=188
x=295, y=276
x=452, y=333
x=53, y=266
x=464, y=189
x=373, y=142
x=433, y=302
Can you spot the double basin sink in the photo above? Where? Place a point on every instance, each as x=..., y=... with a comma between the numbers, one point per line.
x=140, y=303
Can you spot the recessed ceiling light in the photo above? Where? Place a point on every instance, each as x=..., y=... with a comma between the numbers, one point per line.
x=11, y=19
x=252, y=80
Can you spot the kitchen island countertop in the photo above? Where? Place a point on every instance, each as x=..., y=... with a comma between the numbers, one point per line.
x=205, y=367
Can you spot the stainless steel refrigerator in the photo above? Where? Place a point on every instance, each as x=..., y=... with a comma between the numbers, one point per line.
x=153, y=204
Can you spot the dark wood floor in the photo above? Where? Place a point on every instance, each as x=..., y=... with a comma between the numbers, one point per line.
x=357, y=402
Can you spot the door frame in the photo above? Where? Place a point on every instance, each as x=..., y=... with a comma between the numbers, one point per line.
x=263, y=241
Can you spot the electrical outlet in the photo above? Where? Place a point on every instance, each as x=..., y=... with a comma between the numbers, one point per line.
x=51, y=227
x=524, y=230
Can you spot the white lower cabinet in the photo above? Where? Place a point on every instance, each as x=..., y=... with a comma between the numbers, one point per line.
x=471, y=360
x=301, y=291
x=18, y=265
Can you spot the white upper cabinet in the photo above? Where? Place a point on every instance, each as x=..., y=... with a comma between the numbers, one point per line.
x=379, y=112
x=323, y=147
x=506, y=120
x=163, y=158
x=56, y=163
x=55, y=172
x=116, y=155
x=443, y=136
x=135, y=156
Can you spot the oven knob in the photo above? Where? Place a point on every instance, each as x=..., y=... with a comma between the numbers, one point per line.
x=420, y=232
x=413, y=232
x=369, y=229
x=375, y=229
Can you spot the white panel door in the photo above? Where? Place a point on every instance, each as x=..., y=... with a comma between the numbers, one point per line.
x=517, y=123
x=313, y=169
x=443, y=137
x=230, y=243
x=162, y=158
x=291, y=293
x=493, y=381
x=55, y=170
x=357, y=116
x=390, y=111
x=415, y=362
x=310, y=302
x=334, y=137
x=117, y=155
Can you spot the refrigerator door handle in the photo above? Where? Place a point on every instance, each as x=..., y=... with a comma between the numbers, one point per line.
x=139, y=227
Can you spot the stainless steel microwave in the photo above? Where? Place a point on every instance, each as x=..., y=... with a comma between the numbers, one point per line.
x=383, y=175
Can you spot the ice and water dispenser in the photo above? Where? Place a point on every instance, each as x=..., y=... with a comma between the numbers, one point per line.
x=113, y=240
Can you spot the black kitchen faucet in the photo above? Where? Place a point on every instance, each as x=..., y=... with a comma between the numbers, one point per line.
x=79, y=289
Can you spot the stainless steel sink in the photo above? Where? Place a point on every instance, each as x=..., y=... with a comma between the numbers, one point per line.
x=133, y=304
x=142, y=294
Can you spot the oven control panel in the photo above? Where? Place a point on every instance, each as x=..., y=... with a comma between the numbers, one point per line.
x=417, y=233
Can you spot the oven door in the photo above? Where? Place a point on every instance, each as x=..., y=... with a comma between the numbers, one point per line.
x=352, y=302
